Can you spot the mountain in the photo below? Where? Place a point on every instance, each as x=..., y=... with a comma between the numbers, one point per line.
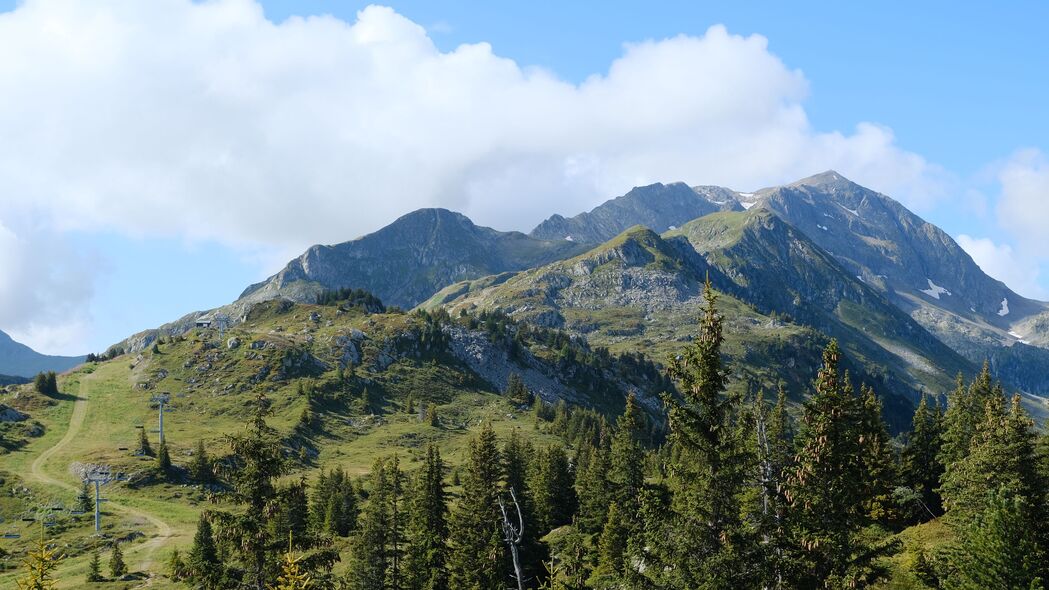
x=21, y=361
x=920, y=268
x=407, y=261
x=783, y=293
x=658, y=207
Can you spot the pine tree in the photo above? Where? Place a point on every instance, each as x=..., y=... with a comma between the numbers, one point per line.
x=829, y=490
x=921, y=468
x=626, y=474
x=260, y=462
x=177, y=569
x=519, y=459
x=84, y=500
x=551, y=486
x=94, y=567
x=476, y=557
x=1000, y=549
x=770, y=514
x=40, y=564
x=592, y=488
x=611, y=551
x=432, y=418
x=117, y=567
x=293, y=575
x=372, y=554
x=204, y=566
x=144, y=448
x=163, y=459
x=878, y=458
x=517, y=393
x=427, y=528
x=200, y=469
x=708, y=467
x=965, y=410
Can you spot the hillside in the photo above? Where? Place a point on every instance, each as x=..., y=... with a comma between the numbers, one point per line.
x=640, y=291
x=19, y=360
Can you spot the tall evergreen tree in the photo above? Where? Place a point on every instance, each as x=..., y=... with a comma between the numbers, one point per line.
x=592, y=488
x=519, y=460
x=372, y=549
x=611, y=552
x=117, y=567
x=163, y=459
x=258, y=462
x=626, y=474
x=921, y=466
x=551, y=485
x=709, y=464
x=205, y=567
x=476, y=560
x=829, y=488
x=94, y=567
x=84, y=501
x=878, y=457
x=200, y=469
x=144, y=447
x=770, y=516
x=427, y=528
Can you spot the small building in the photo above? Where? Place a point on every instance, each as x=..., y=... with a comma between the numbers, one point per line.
x=203, y=322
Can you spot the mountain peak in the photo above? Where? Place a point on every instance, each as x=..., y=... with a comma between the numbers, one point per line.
x=828, y=179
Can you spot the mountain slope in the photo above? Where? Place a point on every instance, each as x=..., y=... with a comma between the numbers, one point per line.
x=410, y=259
x=657, y=207
x=915, y=264
x=641, y=291
x=21, y=361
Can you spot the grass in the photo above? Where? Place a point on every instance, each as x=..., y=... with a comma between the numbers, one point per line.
x=209, y=404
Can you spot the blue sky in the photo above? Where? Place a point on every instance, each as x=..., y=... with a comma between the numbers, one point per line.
x=168, y=190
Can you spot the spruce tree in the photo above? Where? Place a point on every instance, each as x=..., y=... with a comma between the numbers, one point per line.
x=203, y=563
x=144, y=448
x=200, y=469
x=163, y=459
x=517, y=393
x=519, y=459
x=372, y=554
x=427, y=527
x=829, y=488
x=84, y=500
x=878, y=458
x=999, y=548
x=626, y=474
x=593, y=490
x=94, y=567
x=611, y=552
x=259, y=461
x=770, y=515
x=709, y=463
x=921, y=467
x=476, y=558
x=117, y=567
x=551, y=486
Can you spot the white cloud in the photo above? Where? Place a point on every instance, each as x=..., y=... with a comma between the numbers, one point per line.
x=206, y=120
x=44, y=290
x=1016, y=269
x=1023, y=207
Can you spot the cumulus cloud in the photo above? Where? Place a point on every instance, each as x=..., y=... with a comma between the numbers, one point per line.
x=206, y=120
x=44, y=290
x=1016, y=269
x=1023, y=206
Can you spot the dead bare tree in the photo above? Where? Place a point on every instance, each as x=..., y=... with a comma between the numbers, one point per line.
x=513, y=534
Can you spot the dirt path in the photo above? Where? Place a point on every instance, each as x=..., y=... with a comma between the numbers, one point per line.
x=145, y=550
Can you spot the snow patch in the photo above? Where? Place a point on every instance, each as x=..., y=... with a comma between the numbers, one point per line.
x=1004, y=311
x=934, y=290
x=828, y=215
x=746, y=195
x=823, y=227
x=853, y=211
x=862, y=280
x=569, y=238
x=672, y=228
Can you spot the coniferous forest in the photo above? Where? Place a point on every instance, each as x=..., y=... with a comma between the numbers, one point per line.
x=740, y=493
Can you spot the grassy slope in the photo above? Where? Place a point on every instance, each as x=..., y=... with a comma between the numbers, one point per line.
x=116, y=403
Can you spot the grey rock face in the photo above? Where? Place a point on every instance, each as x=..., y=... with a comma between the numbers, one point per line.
x=659, y=207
